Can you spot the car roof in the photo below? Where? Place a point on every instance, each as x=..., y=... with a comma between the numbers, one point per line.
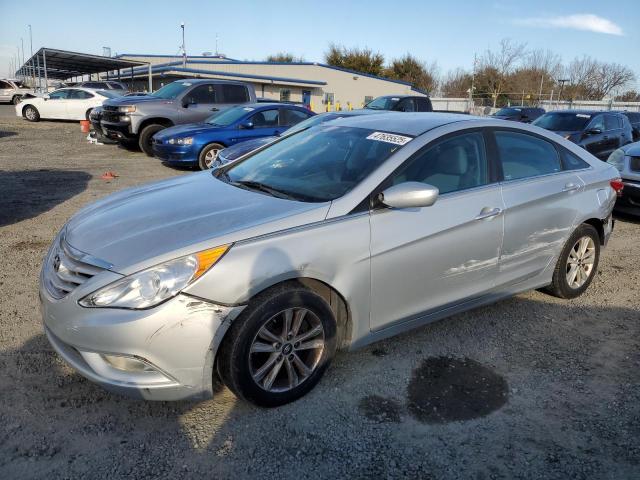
x=209, y=80
x=263, y=105
x=404, y=123
x=584, y=112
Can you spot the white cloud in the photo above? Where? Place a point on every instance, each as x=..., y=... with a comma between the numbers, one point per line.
x=580, y=21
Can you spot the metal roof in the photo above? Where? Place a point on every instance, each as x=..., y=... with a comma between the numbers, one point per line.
x=62, y=64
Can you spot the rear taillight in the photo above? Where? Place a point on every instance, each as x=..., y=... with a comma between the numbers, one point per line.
x=617, y=185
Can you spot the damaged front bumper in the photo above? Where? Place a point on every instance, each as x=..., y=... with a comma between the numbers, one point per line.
x=163, y=353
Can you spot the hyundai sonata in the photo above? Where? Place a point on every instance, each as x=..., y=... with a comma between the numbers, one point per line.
x=333, y=237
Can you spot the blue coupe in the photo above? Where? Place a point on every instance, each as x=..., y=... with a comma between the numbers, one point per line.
x=199, y=143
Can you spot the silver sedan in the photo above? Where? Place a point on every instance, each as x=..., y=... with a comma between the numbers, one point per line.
x=337, y=236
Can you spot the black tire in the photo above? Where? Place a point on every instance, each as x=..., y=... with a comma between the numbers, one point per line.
x=31, y=113
x=16, y=99
x=202, y=158
x=560, y=285
x=234, y=356
x=144, y=141
x=88, y=114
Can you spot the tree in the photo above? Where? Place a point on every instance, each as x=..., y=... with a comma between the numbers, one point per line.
x=284, y=57
x=457, y=83
x=361, y=60
x=591, y=79
x=496, y=66
x=410, y=69
x=628, y=96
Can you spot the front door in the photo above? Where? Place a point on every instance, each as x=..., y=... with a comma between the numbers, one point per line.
x=200, y=103
x=596, y=143
x=264, y=123
x=56, y=105
x=424, y=259
x=306, y=97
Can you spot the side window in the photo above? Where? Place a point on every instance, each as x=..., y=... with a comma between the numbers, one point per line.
x=406, y=105
x=79, y=94
x=526, y=156
x=423, y=105
x=202, y=94
x=59, y=95
x=611, y=122
x=265, y=118
x=4, y=85
x=235, y=93
x=291, y=117
x=572, y=162
x=454, y=164
x=367, y=99
x=597, y=122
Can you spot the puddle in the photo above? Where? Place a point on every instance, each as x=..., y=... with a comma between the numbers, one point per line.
x=380, y=409
x=444, y=389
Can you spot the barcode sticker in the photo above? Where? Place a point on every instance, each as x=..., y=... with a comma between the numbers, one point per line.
x=389, y=138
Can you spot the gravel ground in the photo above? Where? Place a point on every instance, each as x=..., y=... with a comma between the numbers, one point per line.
x=531, y=387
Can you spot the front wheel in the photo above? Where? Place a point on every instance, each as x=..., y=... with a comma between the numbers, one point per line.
x=31, y=113
x=209, y=155
x=279, y=348
x=146, y=135
x=16, y=99
x=577, y=264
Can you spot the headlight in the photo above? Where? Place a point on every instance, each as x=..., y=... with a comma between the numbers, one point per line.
x=181, y=141
x=617, y=159
x=154, y=285
x=127, y=109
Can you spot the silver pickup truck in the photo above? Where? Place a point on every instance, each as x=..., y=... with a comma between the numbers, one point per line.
x=136, y=119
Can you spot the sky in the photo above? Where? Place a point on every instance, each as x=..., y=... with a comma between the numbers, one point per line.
x=448, y=32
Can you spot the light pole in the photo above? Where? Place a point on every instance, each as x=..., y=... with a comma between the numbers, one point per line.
x=33, y=67
x=562, y=82
x=184, y=50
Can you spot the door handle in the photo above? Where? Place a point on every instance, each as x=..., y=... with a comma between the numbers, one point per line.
x=214, y=109
x=606, y=137
x=570, y=187
x=487, y=212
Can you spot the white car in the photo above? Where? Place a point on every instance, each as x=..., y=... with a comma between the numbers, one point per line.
x=73, y=103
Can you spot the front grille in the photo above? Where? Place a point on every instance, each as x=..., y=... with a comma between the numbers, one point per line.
x=66, y=269
x=634, y=164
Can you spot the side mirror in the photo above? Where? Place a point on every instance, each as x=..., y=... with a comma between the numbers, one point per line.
x=246, y=125
x=409, y=194
x=187, y=101
x=594, y=131
x=46, y=96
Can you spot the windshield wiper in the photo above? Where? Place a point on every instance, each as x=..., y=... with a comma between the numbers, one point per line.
x=253, y=185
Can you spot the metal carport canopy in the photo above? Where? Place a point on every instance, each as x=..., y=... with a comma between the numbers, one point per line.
x=62, y=64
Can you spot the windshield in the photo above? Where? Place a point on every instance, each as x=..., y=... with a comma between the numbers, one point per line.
x=505, y=112
x=315, y=165
x=20, y=84
x=382, y=103
x=228, y=116
x=563, y=121
x=171, y=91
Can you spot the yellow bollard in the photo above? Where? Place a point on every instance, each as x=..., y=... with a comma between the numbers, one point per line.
x=338, y=107
x=328, y=106
x=311, y=106
x=349, y=106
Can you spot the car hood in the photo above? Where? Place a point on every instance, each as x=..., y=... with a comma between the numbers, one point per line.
x=239, y=149
x=184, y=130
x=147, y=225
x=632, y=149
x=136, y=100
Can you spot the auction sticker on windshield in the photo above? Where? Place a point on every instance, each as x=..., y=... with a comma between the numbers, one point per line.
x=389, y=138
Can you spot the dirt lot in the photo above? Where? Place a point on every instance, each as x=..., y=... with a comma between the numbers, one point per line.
x=532, y=387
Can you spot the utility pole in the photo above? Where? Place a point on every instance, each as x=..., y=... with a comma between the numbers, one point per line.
x=540, y=93
x=562, y=82
x=33, y=66
x=184, y=49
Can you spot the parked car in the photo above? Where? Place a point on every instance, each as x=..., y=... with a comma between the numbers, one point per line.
x=110, y=85
x=199, y=143
x=234, y=152
x=136, y=119
x=12, y=91
x=64, y=104
x=627, y=161
x=519, y=114
x=334, y=237
x=634, y=120
x=600, y=133
x=401, y=103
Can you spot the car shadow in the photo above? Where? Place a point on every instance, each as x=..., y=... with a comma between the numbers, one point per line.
x=626, y=217
x=7, y=133
x=28, y=193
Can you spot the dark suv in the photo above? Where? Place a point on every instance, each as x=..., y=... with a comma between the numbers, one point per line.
x=634, y=119
x=519, y=114
x=600, y=133
x=401, y=103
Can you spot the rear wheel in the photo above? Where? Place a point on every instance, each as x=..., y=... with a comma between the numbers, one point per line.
x=31, y=113
x=279, y=348
x=577, y=264
x=16, y=99
x=208, y=155
x=146, y=135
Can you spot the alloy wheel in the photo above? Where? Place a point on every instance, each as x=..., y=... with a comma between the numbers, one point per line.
x=580, y=262
x=286, y=350
x=30, y=113
x=211, y=156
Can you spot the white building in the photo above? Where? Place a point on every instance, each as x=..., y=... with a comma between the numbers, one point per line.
x=316, y=84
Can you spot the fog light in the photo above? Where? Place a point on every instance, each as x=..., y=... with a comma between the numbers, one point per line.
x=127, y=364
x=125, y=118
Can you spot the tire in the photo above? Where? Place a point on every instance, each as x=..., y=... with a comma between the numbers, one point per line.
x=86, y=115
x=144, y=141
x=31, y=113
x=16, y=99
x=208, y=155
x=247, y=371
x=571, y=255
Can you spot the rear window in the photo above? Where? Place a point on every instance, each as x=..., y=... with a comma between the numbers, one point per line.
x=563, y=121
x=235, y=93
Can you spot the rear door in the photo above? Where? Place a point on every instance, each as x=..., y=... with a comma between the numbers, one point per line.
x=424, y=259
x=541, y=204
x=79, y=103
x=613, y=133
